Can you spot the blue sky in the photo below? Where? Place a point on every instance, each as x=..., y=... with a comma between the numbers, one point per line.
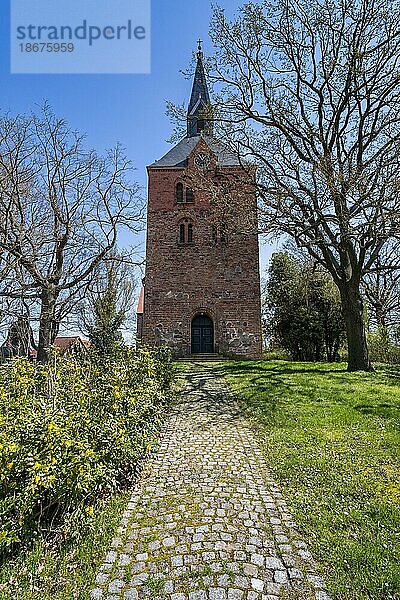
x=129, y=109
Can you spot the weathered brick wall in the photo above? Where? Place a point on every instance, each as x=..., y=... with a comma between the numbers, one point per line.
x=139, y=326
x=214, y=277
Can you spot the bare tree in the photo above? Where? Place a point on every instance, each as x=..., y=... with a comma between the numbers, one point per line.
x=61, y=209
x=310, y=93
x=381, y=287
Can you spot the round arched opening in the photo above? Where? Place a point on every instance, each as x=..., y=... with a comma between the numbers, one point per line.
x=202, y=335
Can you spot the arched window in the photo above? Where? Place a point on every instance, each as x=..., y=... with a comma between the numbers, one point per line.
x=179, y=192
x=186, y=232
x=182, y=233
x=189, y=196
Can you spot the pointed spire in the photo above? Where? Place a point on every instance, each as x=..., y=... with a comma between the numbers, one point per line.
x=199, y=105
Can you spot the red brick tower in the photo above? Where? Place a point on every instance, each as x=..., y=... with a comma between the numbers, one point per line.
x=202, y=284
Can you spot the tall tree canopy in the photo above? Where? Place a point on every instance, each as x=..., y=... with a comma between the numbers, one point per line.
x=311, y=94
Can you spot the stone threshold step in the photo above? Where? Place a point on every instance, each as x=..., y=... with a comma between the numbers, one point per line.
x=203, y=358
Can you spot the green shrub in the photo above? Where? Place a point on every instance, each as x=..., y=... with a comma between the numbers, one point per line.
x=276, y=354
x=72, y=431
x=382, y=349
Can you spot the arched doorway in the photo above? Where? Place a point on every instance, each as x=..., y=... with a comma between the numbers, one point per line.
x=202, y=335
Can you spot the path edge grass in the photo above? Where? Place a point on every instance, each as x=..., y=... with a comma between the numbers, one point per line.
x=341, y=583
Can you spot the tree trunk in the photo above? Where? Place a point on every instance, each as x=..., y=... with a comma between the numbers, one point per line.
x=381, y=319
x=47, y=325
x=353, y=314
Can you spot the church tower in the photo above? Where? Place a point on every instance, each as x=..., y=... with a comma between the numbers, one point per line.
x=202, y=284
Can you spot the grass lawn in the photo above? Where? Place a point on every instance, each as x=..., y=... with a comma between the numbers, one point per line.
x=332, y=441
x=66, y=572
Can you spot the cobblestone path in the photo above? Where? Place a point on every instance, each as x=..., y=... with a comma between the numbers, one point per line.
x=206, y=521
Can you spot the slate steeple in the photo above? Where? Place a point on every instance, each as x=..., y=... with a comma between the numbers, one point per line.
x=199, y=112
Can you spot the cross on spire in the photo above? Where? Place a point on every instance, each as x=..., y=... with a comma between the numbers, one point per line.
x=199, y=48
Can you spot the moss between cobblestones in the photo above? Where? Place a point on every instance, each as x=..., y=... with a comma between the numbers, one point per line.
x=189, y=581
x=155, y=586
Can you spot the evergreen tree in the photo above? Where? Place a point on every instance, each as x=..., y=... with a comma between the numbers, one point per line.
x=302, y=309
x=108, y=315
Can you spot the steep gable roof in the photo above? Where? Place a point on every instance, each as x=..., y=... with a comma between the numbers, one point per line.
x=179, y=154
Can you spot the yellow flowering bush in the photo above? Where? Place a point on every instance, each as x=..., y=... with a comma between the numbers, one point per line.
x=71, y=431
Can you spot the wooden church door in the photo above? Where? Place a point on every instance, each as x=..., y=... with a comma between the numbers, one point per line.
x=202, y=335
